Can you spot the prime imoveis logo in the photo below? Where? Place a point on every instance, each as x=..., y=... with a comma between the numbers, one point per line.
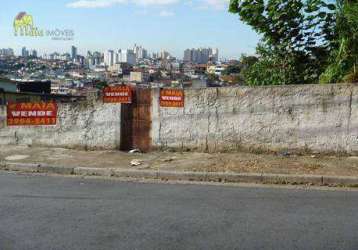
x=24, y=25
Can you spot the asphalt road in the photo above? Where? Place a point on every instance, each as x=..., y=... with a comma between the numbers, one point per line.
x=38, y=212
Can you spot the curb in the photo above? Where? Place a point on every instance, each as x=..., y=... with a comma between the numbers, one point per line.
x=21, y=167
x=93, y=171
x=55, y=169
x=185, y=176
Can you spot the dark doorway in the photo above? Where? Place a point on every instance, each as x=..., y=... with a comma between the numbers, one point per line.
x=136, y=121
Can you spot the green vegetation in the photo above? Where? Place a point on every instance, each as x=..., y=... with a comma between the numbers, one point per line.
x=232, y=69
x=303, y=41
x=100, y=85
x=212, y=78
x=237, y=72
x=344, y=59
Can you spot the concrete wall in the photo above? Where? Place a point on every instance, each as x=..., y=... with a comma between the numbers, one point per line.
x=317, y=118
x=311, y=118
x=79, y=125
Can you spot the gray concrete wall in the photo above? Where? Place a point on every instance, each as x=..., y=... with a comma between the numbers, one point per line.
x=311, y=118
x=79, y=125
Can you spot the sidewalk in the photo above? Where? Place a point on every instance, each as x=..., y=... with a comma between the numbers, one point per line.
x=195, y=166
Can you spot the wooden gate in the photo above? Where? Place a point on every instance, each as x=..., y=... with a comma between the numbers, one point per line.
x=136, y=121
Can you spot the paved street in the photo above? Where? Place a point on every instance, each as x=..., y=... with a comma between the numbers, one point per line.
x=38, y=212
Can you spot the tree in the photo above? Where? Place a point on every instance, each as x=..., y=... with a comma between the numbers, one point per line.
x=344, y=59
x=296, y=39
x=212, y=78
x=248, y=61
x=232, y=69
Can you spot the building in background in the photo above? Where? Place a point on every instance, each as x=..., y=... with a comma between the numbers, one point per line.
x=216, y=69
x=65, y=57
x=94, y=59
x=215, y=55
x=73, y=53
x=126, y=56
x=164, y=55
x=188, y=55
x=201, y=55
x=7, y=52
x=25, y=52
x=139, y=76
x=109, y=58
x=33, y=53
x=140, y=52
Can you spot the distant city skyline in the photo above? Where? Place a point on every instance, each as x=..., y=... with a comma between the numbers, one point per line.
x=99, y=25
x=137, y=53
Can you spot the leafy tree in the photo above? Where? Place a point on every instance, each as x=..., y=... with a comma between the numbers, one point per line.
x=248, y=61
x=344, y=59
x=232, y=69
x=296, y=39
x=212, y=78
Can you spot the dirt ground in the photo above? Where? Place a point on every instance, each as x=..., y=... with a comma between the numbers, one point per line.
x=202, y=162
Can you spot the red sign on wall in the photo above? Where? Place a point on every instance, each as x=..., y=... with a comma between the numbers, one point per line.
x=172, y=98
x=27, y=114
x=117, y=94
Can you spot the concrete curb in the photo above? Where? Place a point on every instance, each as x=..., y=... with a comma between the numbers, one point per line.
x=55, y=169
x=185, y=176
x=293, y=179
x=340, y=181
x=21, y=167
x=93, y=171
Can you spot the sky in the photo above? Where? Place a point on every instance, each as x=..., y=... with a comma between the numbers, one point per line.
x=171, y=25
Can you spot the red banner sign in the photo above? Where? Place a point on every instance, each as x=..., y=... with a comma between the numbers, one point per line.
x=117, y=94
x=27, y=114
x=172, y=98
